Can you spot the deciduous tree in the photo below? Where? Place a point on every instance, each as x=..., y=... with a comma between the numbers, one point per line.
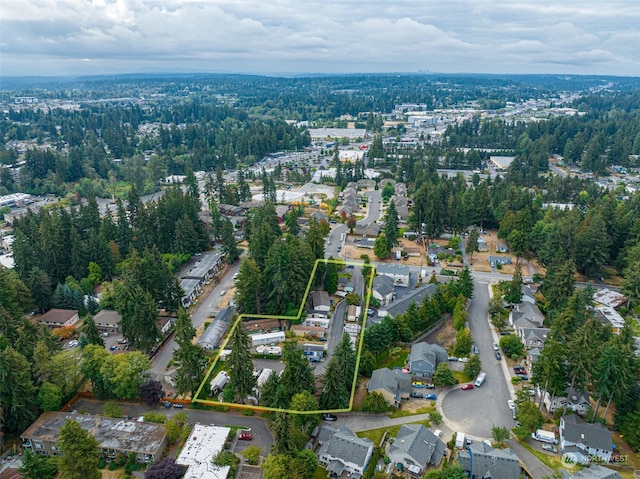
x=79, y=452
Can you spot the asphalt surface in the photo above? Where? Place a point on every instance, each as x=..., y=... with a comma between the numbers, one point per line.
x=476, y=411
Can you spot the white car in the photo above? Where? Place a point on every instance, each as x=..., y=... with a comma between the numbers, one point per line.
x=511, y=404
x=550, y=448
x=223, y=292
x=496, y=347
x=463, y=360
x=437, y=433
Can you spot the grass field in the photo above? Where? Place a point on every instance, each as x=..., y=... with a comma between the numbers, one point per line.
x=413, y=412
x=376, y=434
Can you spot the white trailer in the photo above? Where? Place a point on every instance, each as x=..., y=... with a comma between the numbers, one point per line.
x=544, y=436
x=460, y=440
x=480, y=379
x=219, y=382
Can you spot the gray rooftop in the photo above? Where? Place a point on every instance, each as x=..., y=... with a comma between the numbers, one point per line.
x=400, y=306
x=490, y=462
x=392, y=268
x=592, y=435
x=593, y=472
x=418, y=444
x=432, y=353
x=204, y=264
x=346, y=445
x=216, y=329
x=383, y=285
x=111, y=433
x=396, y=382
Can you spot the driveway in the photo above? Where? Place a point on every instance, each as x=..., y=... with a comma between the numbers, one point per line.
x=476, y=411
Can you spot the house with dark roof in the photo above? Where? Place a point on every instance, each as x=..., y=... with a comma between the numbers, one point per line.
x=58, y=318
x=393, y=385
x=321, y=301
x=342, y=452
x=415, y=447
x=580, y=441
x=211, y=337
x=319, y=216
x=576, y=400
x=383, y=289
x=424, y=358
x=369, y=230
x=595, y=471
x=400, y=306
x=490, y=463
x=403, y=212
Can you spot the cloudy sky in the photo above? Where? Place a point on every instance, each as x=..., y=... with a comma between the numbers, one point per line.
x=65, y=37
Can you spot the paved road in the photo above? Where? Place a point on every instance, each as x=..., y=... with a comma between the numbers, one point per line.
x=476, y=411
x=536, y=468
x=207, y=303
x=335, y=335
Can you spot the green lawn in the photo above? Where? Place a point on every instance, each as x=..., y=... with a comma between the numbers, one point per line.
x=422, y=410
x=376, y=434
x=461, y=377
x=394, y=358
x=321, y=473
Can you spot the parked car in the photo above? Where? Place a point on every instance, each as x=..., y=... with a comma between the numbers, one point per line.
x=452, y=358
x=245, y=436
x=549, y=447
x=496, y=347
x=498, y=355
x=511, y=404
x=467, y=386
x=223, y=292
x=329, y=417
x=416, y=395
x=463, y=360
x=429, y=386
x=417, y=384
x=437, y=433
x=519, y=370
x=524, y=377
x=476, y=350
x=431, y=397
x=178, y=406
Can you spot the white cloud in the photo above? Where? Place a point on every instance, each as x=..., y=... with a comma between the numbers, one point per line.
x=100, y=36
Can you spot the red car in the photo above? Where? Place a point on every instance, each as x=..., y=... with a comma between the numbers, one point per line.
x=245, y=436
x=467, y=386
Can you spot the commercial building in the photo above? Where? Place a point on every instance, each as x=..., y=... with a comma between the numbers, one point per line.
x=115, y=436
x=202, y=446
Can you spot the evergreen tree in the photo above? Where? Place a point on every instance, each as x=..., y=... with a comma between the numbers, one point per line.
x=90, y=332
x=139, y=314
x=471, y=245
x=334, y=395
x=189, y=358
x=249, y=287
x=381, y=247
x=297, y=375
x=229, y=245
x=513, y=293
x=79, y=452
x=281, y=435
x=391, y=226
x=16, y=390
x=314, y=239
x=242, y=382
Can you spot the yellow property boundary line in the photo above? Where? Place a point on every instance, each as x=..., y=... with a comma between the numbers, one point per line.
x=296, y=318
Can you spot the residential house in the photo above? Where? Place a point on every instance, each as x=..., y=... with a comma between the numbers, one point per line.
x=502, y=247
x=580, y=441
x=490, y=463
x=313, y=331
x=146, y=441
x=353, y=312
x=318, y=320
x=319, y=216
x=608, y=297
x=494, y=260
x=368, y=230
x=399, y=200
x=401, y=189
x=415, y=447
x=532, y=355
x=482, y=244
x=202, y=446
x=576, y=400
x=58, y=318
x=367, y=184
x=403, y=213
x=191, y=288
x=383, y=289
x=164, y=324
x=526, y=315
x=417, y=296
x=533, y=337
x=595, y=471
x=108, y=321
x=393, y=385
x=342, y=452
x=321, y=302
x=348, y=211
x=281, y=212
x=424, y=358
x=400, y=274
x=609, y=316
x=267, y=338
x=230, y=210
